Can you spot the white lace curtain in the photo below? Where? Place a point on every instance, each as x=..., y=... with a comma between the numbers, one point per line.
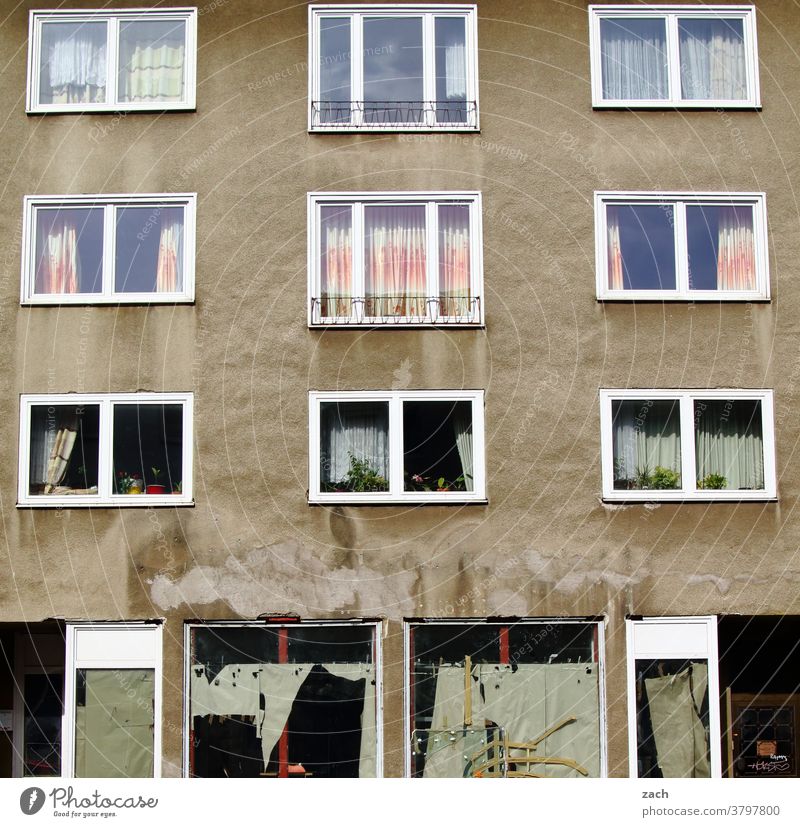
x=729, y=442
x=712, y=60
x=354, y=429
x=336, y=260
x=646, y=434
x=73, y=68
x=169, y=267
x=151, y=61
x=634, y=59
x=454, y=260
x=462, y=426
x=58, y=267
x=736, y=250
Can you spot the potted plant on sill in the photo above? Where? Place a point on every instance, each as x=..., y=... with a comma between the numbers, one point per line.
x=156, y=487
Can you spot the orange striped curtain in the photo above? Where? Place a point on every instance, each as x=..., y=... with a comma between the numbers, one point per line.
x=736, y=255
x=59, y=263
x=454, y=260
x=395, y=260
x=336, y=260
x=615, y=268
x=169, y=269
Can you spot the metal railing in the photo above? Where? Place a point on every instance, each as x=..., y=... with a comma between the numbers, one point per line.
x=397, y=310
x=394, y=114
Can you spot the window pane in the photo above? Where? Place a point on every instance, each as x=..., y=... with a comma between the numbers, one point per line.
x=354, y=446
x=641, y=247
x=148, y=448
x=437, y=446
x=722, y=250
x=276, y=701
x=672, y=719
x=336, y=260
x=114, y=723
x=712, y=55
x=72, y=67
x=64, y=449
x=69, y=250
x=395, y=260
x=334, y=70
x=451, y=69
x=393, y=79
x=151, y=60
x=525, y=680
x=729, y=444
x=633, y=52
x=455, y=295
x=646, y=444
x=149, y=252
x=42, y=725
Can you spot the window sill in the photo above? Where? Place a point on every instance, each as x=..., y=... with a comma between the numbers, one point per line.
x=123, y=501
x=702, y=296
x=106, y=109
x=680, y=497
x=675, y=105
x=86, y=300
x=395, y=501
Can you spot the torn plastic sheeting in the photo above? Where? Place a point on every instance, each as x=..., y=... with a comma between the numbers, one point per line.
x=114, y=727
x=681, y=743
x=233, y=691
x=525, y=700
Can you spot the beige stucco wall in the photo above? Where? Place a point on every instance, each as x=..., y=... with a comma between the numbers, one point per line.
x=545, y=545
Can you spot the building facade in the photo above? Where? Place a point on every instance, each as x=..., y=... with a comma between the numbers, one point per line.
x=400, y=390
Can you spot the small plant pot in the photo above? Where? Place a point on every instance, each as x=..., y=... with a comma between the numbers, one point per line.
x=156, y=489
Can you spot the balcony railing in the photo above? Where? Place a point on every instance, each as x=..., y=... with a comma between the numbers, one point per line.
x=332, y=115
x=396, y=310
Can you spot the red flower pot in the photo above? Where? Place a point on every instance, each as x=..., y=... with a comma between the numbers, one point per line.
x=156, y=489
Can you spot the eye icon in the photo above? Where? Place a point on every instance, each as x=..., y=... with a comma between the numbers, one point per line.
x=31, y=800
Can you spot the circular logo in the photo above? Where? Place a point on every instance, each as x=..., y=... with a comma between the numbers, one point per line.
x=31, y=800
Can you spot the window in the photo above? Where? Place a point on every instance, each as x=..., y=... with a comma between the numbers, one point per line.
x=683, y=56
x=93, y=61
x=673, y=694
x=393, y=446
x=113, y=701
x=693, y=246
x=518, y=699
x=109, y=449
x=393, y=67
x=687, y=445
x=273, y=699
x=100, y=249
x=395, y=258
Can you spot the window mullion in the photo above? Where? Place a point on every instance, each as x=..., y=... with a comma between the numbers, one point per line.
x=429, y=68
x=681, y=249
x=112, y=61
x=356, y=69
x=688, y=471
x=673, y=58
x=432, y=261
x=109, y=249
x=396, y=446
x=358, y=276
x=105, y=468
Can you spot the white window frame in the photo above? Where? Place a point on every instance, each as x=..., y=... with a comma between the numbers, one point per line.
x=396, y=494
x=600, y=624
x=431, y=200
x=377, y=656
x=113, y=20
x=679, y=201
x=105, y=483
x=428, y=13
x=685, y=399
x=109, y=204
x=674, y=638
x=110, y=645
x=671, y=14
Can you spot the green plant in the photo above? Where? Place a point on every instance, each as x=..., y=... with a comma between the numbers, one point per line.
x=361, y=477
x=713, y=481
x=663, y=478
x=642, y=477
x=157, y=472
